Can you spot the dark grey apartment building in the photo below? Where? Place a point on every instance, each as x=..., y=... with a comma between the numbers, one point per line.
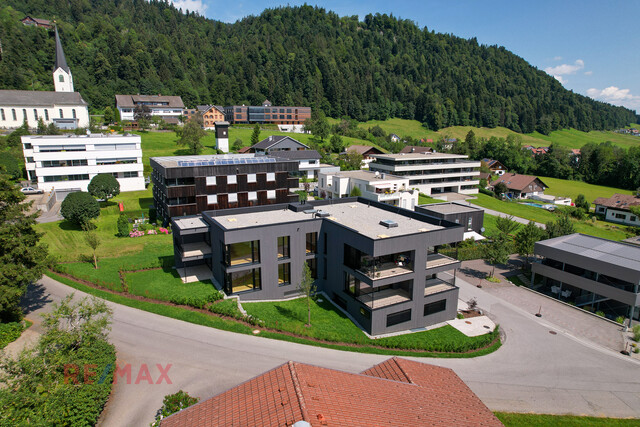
x=373, y=260
x=590, y=272
x=188, y=185
x=471, y=217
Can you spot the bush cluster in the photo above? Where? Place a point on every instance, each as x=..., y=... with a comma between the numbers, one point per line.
x=195, y=301
x=9, y=332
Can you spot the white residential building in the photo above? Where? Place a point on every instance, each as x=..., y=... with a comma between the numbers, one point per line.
x=169, y=108
x=71, y=161
x=431, y=173
x=379, y=187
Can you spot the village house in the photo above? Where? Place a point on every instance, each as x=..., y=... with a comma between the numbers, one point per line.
x=521, y=186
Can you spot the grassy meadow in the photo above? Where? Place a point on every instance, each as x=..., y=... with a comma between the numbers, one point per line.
x=566, y=188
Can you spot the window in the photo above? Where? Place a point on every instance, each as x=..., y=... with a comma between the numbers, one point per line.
x=399, y=317
x=2, y=113
x=284, y=250
x=231, y=179
x=13, y=113
x=271, y=176
x=632, y=218
x=130, y=174
x=73, y=113
x=313, y=266
x=251, y=177
x=271, y=194
x=212, y=199
x=28, y=146
x=620, y=216
x=243, y=253
x=61, y=115
x=30, y=160
x=312, y=243
x=469, y=223
x=351, y=285
x=35, y=113
x=24, y=114
x=61, y=78
x=241, y=281
x=211, y=180
x=324, y=269
x=435, y=307
x=233, y=197
x=253, y=195
x=324, y=249
x=284, y=274
x=46, y=114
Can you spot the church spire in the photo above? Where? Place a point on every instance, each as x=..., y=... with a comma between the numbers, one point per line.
x=61, y=61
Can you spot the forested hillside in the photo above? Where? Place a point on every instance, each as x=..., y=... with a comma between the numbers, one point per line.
x=380, y=68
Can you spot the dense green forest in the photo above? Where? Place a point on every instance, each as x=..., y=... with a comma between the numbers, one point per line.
x=380, y=68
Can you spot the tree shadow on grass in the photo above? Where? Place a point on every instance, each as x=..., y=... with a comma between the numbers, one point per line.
x=35, y=298
x=289, y=314
x=68, y=226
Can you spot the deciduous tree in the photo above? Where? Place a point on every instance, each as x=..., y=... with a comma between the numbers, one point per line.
x=80, y=208
x=307, y=288
x=526, y=239
x=93, y=241
x=191, y=135
x=104, y=186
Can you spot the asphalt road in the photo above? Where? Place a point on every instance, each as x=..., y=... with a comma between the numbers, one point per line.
x=534, y=371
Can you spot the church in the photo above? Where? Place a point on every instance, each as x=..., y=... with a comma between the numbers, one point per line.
x=63, y=107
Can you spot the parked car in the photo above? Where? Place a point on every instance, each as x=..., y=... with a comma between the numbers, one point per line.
x=31, y=190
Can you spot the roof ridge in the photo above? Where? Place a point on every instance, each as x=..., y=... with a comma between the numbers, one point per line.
x=395, y=359
x=296, y=386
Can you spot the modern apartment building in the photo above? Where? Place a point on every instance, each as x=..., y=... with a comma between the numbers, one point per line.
x=267, y=113
x=590, y=272
x=375, y=261
x=432, y=173
x=471, y=217
x=385, y=188
x=70, y=161
x=188, y=185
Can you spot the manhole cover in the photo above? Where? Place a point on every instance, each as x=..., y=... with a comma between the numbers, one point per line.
x=467, y=322
x=553, y=332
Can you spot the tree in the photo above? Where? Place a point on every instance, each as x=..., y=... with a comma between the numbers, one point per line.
x=22, y=257
x=500, y=188
x=173, y=403
x=123, y=225
x=582, y=203
x=255, y=136
x=13, y=140
x=42, y=127
x=93, y=241
x=80, y=208
x=355, y=192
x=142, y=114
x=109, y=116
x=470, y=141
x=191, y=135
x=237, y=144
x=352, y=160
x=307, y=288
x=336, y=143
x=560, y=227
x=104, y=186
x=302, y=196
x=506, y=226
x=318, y=125
x=497, y=251
x=526, y=239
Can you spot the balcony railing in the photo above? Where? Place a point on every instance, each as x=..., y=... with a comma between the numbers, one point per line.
x=384, y=298
x=198, y=249
x=385, y=270
x=438, y=260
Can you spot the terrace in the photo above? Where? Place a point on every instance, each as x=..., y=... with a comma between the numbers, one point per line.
x=435, y=260
x=384, y=298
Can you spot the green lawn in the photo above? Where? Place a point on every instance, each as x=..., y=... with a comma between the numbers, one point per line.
x=66, y=240
x=330, y=324
x=423, y=199
x=566, y=188
x=537, y=420
x=166, y=285
x=489, y=224
x=599, y=228
x=572, y=138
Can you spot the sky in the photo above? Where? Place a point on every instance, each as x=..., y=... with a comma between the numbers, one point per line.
x=590, y=46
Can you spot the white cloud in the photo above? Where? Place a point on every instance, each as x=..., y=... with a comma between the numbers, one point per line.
x=616, y=96
x=561, y=79
x=191, y=5
x=565, y=68
x=588, y=73
x=557, y=58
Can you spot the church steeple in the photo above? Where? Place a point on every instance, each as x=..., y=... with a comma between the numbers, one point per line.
x=62, y=79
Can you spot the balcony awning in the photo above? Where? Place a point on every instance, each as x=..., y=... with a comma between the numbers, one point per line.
x=473, y=235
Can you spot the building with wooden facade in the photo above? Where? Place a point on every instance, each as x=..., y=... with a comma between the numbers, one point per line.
x=189, y=185
x=267, y=113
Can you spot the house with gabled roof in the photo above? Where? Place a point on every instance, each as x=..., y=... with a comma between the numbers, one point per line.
x=521, y=186
x=495, y=166
x=395, y=392
x=416, y=149
x=37, y=22
x=366, y=151
x=617, y=208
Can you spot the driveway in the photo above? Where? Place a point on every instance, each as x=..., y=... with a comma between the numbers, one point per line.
x=534, y=371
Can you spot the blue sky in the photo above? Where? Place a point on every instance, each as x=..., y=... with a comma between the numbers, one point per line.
x=591, y=46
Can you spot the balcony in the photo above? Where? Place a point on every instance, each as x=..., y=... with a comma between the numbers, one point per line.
x=437, y=285
x=385, y=270
x=435, y=260
x=384, y=298
x=198, y=249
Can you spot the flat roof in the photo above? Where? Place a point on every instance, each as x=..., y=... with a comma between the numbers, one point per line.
x=449, y=208
x=419, y=156
x=214, y=160
x=596, y=248
x=190, y=223
x=369, y=176
x=70, y=136
x=360, y=217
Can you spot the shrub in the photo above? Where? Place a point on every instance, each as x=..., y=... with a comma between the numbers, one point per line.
x=228, y=307
x=104, y=186
x=9, y=332
x=600, y=313
x=123, y=226
x=153, y=215
x=487, y=192
x=173, y=403
x=620, y=319
x=636, y=333
x=80, y=208
x=460, y=316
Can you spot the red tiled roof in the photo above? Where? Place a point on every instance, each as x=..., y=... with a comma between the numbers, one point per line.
x=618, y=201
x=244, y=150
x=515, y=181
x=364, y=149
x=416, y=149
x=397, y=392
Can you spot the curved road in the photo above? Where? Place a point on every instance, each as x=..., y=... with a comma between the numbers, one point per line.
x=534, y=371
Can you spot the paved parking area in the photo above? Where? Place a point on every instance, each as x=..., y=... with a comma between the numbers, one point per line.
x=574, y=321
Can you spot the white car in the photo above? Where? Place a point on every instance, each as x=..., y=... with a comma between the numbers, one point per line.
x=31, y=190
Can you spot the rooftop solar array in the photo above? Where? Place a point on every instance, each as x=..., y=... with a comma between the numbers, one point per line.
x=228, y=161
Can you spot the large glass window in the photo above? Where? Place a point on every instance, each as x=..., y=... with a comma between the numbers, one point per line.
x=241, y=281
x=284, y=250
x=211, y=180
x=313, y=266
x=399, y=317
x=312, y=243
x=284, y=273
x=243, y=253
x=435, y=307
x=3, y=116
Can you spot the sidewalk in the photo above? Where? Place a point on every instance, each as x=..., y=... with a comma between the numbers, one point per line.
x=575, y=321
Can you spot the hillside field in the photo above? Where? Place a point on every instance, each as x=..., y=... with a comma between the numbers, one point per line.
x=566, y=188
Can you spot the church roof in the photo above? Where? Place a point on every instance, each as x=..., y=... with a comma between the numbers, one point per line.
x=39, y=98
x=61, y=61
